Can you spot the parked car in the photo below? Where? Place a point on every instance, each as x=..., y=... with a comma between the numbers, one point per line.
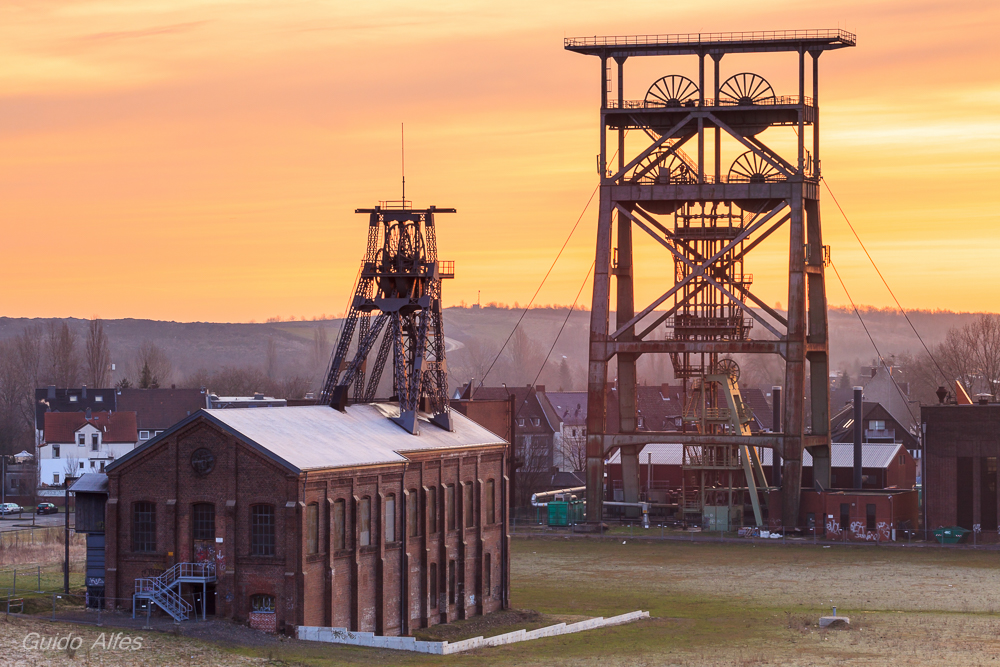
x=10, y=508
x=47, y=508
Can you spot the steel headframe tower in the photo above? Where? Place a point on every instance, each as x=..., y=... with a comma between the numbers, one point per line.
x=719, y=214
x=400, y=283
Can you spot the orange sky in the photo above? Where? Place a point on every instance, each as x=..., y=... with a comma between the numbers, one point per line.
x=195, y=160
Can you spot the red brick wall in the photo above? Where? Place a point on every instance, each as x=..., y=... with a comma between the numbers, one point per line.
x=361, y=588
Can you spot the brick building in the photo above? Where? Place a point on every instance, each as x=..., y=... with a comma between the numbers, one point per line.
x=961, y=449
x=312, y=516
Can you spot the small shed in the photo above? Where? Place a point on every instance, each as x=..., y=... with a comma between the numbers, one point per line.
x=91, y=492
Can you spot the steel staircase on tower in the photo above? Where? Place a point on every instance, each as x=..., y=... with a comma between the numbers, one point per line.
x=163, y=590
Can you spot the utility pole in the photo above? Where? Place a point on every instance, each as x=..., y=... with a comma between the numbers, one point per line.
x=68, y=480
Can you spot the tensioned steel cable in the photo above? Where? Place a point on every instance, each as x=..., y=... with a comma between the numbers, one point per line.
x=540, y=285
x=884, y=282
x=558, y=334
x=558, y=255
x=865, y=327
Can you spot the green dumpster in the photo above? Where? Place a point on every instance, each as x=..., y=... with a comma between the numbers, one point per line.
x=950, y=535
x=558, y=513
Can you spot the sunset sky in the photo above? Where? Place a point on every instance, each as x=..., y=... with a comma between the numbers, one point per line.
x=193, y=160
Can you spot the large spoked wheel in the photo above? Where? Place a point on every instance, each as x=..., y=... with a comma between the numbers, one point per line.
x=728, y=367
x=673, y=90
x=752, y=168
x=747, y=89
x=658, y=169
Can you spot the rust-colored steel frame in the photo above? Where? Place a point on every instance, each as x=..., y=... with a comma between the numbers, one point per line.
x=630, y=199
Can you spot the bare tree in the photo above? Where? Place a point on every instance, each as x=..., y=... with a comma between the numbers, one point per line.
x=63, y=359
x=72, y=466
x=526, y=358
x=97, y=355
x=320, y=349
x=149, y=367
x=573, y=451
x=271, y=359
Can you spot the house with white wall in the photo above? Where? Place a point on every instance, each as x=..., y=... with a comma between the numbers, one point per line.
x=74, y=443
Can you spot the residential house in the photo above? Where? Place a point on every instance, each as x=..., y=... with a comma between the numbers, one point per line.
x=74, y=443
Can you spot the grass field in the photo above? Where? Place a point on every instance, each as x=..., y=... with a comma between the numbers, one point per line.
x=711, y=604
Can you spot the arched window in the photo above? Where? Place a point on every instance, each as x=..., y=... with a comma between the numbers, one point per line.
x=203, y=521
x=365, y=521
x=339, y=532
x=262, y=603
x=312, y=528
x=390, y=518
x=490, y=502
x=144, y=527
x=262, y=530
x=413, y=513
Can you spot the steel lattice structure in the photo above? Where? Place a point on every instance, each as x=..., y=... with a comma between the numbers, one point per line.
x=398, y=293
x=708, y=217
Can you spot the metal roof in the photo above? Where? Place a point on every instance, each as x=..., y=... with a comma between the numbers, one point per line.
x=90, y=482
x=873, y=455
x=317, y=437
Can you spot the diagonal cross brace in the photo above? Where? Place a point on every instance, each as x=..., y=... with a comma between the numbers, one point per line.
x=696, y=270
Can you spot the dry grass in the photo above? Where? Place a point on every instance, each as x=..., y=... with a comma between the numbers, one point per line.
x=712, y=604
x=45, y=547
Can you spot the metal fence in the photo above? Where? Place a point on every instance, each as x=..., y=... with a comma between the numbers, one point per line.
x=536, y=526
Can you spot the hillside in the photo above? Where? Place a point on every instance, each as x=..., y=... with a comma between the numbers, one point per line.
x=474, y=336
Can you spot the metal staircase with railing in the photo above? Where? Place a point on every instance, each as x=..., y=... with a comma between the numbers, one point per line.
x=163, y=590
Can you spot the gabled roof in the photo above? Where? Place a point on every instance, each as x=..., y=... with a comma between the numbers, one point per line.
x=61, y=427
x=758, y=403
x=527, y=406
x=159, y=409
x=53, y=399
x=569, y=406
x=318, y=437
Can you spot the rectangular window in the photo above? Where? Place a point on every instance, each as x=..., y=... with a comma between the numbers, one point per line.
x=55, y=478
x=470, y=505
x=432, y=518
x=988, y=493
x=845, y=516
x=95, y=439
x=339, y=532
x=488, y=578
x=413, y=513
x=262, y=530
x=312, y=528
x=451, y=582
x=93, y=464
x=964, y=492
x=55, y=451
x=81, y=439
x=365, y=521
x=870, y=518
x=876, y=425
x=144, y=435
x=144, y=527
x=203, y=521
x=390, y=518
x=99, y=399
x=449, y=505
x=490, y=501
x=435, y=587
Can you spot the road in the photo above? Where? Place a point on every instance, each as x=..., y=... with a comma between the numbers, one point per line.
x=13, y=522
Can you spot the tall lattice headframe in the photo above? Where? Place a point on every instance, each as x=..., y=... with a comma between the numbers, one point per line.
x=708, y=214
x=396, y=310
